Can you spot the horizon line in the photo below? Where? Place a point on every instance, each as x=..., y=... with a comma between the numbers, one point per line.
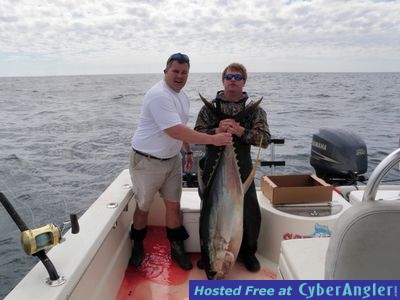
x=160, y=73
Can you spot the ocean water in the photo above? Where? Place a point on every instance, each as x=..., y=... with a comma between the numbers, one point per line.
x=63, y=139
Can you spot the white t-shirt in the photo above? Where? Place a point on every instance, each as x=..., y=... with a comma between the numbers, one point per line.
x=162, y=108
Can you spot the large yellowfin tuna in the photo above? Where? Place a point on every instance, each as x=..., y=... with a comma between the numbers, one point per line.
x=221, y=219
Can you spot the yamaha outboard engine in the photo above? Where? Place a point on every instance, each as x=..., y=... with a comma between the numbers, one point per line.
x=339, y=156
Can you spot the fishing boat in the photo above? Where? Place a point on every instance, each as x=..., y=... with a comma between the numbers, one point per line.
x=293, y=241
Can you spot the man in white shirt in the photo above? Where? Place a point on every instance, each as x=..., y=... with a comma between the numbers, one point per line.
x=155, y=163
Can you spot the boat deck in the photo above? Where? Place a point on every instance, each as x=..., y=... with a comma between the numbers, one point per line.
x=160, y=278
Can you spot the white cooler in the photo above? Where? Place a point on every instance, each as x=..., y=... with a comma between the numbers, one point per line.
x=190, y=208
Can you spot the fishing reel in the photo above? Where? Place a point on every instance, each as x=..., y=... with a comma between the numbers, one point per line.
x=43, y=238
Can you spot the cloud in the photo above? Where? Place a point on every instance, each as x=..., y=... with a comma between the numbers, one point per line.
x=213, y=32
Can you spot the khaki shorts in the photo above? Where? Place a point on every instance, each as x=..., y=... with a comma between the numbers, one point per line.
x=150, y=176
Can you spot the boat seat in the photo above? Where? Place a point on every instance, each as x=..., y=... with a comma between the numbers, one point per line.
x=364, y=245
x=303, y=258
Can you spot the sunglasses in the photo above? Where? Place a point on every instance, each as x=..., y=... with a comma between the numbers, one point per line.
x=237, y=77
x=179, y=57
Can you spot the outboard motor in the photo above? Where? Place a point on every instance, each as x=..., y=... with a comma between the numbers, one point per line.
x=339, y=156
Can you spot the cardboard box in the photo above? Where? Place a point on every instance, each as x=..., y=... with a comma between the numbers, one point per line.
x=293, y=189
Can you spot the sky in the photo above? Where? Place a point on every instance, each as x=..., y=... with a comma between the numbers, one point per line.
x=72, y=37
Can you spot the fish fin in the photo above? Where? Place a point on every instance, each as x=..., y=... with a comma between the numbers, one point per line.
x=209, y=105
x=204, y=187
x=218, y=114
x=205, y=101
x=214, y=168
x=200, y=181
x=252, y=174
x=248, y=110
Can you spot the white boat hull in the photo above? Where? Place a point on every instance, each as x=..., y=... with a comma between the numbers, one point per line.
x=94, y=261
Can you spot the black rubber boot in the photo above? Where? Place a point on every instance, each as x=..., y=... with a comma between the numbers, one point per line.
x=252, y=264
x=138, y=250
x=200, y=264
x=250, y=261
x=176, y=237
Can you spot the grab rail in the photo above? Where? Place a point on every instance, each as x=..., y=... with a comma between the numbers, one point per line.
x=377, y=175
x=274, y=163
